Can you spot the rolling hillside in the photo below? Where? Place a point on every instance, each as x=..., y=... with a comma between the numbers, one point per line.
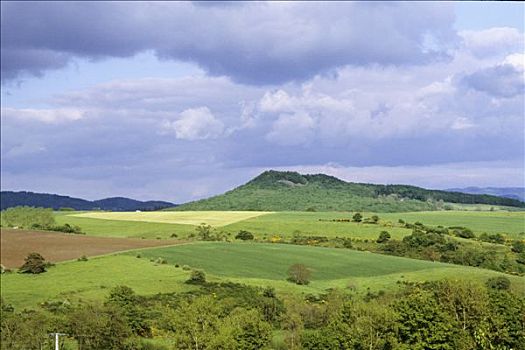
x=285, y=191
x=10, y=199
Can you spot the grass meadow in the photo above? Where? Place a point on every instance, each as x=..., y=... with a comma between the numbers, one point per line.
x=287, y=223
x=92, y=279
x=250, y=263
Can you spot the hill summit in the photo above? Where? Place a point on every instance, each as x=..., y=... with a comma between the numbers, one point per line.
x=290, y=191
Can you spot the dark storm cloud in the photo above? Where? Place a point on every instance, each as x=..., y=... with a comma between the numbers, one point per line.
x=502, y=81
x=254, y=43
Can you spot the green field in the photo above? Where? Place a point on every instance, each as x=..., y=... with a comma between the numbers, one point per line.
x=250, y=263
x=511, y=223
x=91, y=280
x=267, y=264
x=307, y=223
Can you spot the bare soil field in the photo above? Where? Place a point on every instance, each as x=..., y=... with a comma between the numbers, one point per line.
x=17, y=244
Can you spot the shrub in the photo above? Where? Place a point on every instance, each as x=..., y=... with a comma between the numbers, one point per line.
x=66, y=228
x=27, y=217
x=204, y=231
x=518, y=246
x=161, y=261
x=66, y=209
x=174, y=235
x=357, y=217
x=463, y=232
x=186, y=267
x=494, y=238
x=384, y=236
x=299, y=274
x=499, y=283
x=34, y=263
x=197, y=277
x=82, y=258
x=244, y=235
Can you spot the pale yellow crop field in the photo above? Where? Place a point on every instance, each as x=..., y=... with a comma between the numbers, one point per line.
x=213, y=218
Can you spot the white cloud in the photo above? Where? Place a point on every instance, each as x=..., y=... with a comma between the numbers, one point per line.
x=517, y=60
x=493, y=41
x=195, y=124
x=43, y=115
x=292, y=129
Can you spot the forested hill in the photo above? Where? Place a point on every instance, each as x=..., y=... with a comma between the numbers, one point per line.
x=12, y=199
x=507, y=192
x=281, y=191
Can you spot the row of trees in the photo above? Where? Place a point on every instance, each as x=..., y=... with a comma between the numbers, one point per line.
x=438, y=315
x=36, y=219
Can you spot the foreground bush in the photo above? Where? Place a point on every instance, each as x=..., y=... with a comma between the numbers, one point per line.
x=34, y=263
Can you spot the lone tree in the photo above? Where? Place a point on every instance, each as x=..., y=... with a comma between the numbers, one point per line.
x=204, y=231
x=384, y=236
x=34, y=263
x=357, y=217
x=299, y=274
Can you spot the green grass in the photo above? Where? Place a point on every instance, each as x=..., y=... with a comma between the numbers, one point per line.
x=267, y=264
x=307, y=223
x=511, y=223
x=249, y=263
x=92, y=280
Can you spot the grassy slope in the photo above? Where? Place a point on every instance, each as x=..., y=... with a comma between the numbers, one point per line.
x=255, y=264
x=285, y=191
x=286, y=223
x=266, y=264
x=511, y=223
x=91, y=280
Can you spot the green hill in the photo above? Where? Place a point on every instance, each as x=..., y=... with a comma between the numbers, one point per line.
x=291, y=191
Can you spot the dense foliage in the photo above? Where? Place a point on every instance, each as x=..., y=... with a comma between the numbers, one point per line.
x=9, y=199
x=36, y=219
x=27, y=217
x=439, y=315
x=282, y=191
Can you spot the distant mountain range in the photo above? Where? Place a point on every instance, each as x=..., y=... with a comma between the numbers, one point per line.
x=12, y=199
x=285, y=190
x=507, y=192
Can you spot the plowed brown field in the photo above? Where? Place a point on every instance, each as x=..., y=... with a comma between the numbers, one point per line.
x=16, y=244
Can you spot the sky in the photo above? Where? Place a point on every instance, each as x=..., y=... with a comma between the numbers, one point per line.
x=183, y=100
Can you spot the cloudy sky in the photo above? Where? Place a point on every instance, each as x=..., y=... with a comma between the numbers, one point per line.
x=179, y=101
